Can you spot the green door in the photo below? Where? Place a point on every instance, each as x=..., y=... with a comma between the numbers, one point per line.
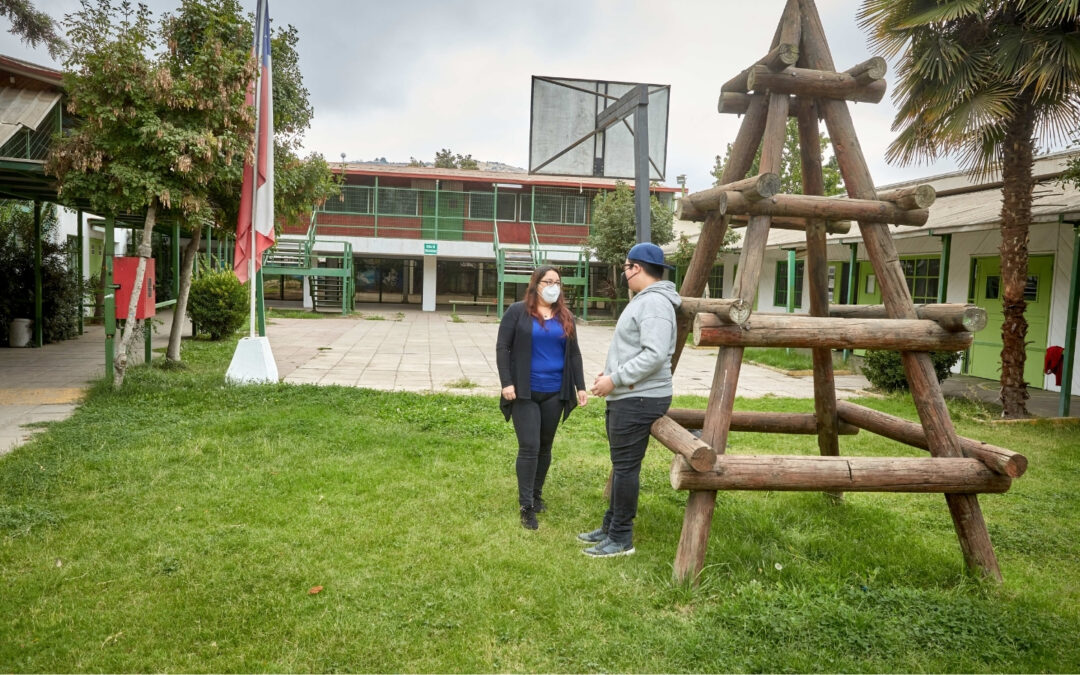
x=986, y=349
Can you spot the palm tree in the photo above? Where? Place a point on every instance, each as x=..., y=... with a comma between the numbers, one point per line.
x=986, y=80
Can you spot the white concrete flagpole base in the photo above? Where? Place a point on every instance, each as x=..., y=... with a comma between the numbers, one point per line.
x=252, y=363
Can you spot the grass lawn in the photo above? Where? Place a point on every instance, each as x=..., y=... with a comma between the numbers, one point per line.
x=180, y=525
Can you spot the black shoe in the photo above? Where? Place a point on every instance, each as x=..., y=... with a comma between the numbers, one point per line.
x=528, y=518
x=595, y=537
x=538, y=505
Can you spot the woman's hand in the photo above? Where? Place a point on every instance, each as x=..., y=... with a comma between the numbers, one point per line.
x=509, y=393
x=582, y=397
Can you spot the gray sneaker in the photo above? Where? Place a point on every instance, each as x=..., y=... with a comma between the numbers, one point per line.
x=595, y=537
x=609, y=549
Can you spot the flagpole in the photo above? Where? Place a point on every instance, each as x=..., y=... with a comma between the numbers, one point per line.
x=259, y=18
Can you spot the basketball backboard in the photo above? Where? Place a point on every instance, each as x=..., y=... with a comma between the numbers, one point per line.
x=564, y=139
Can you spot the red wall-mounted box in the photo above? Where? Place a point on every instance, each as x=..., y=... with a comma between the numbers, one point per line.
x=124, y=277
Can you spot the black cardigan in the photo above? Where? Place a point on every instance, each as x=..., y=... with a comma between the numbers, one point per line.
x=513, y=354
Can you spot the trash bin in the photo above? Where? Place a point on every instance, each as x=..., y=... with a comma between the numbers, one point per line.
x=19, y=333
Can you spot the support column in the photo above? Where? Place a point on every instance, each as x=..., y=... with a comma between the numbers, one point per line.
x=1068, y=365
x=791, y=281
x=38, y=332
x=946, y=255
x=110, y=295
x=82, y=271
x=305, y=292
x=429, y=283
x=642, y=212
x=260, y=303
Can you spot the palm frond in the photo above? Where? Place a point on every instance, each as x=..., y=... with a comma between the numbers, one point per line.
x=1057, y=67
x=983, y=154
x=1049, y=12
x=1057, y=121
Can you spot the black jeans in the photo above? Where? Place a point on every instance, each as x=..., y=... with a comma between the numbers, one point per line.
x=628, y=425
x=535, y=421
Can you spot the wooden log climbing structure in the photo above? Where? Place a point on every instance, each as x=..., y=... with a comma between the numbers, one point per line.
x=797, y=78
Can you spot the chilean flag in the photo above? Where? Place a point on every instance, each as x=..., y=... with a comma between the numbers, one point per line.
x=262, y=201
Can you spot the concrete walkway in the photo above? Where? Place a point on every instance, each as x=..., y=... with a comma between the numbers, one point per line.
x=391, y=348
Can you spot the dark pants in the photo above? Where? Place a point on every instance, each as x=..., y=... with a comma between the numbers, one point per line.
x=535, y=421
x=628, y=424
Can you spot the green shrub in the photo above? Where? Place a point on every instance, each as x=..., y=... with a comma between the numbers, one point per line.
x=218, y=304
x=885, y=370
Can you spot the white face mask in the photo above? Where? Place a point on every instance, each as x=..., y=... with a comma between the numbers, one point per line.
x=551, y=293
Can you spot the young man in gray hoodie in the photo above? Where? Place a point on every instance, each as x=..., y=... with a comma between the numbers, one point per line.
x=637, y=384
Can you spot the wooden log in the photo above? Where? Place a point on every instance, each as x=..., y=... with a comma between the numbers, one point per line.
x=784, y=51
x=914, y=197
x=1000, y=460
x=954, y=475
x=726, y=310
x=759, y=422
x=799, y=330
x=792, y=223
x=926, y=391
x=869, y=70
x=804, y=82
x=826, y=208
x=953, y=317
x=697, y=205
x=817, y=273
x=697, y=453
x=734, y=103
x=781, y=56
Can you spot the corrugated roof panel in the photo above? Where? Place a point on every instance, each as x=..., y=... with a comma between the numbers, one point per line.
x=22, y=108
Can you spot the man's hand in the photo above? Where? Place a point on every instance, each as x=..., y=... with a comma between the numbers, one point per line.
x=582, y=397
x=509, y=393
x=602, y=385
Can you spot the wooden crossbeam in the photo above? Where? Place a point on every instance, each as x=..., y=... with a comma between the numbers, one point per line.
x=952, y=475
x=810, y=332
x=805, y=82
x=954, y=317
x=759, y=422
x=728, y=310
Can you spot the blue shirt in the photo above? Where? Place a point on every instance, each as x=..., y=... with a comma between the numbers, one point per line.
x=548, y=355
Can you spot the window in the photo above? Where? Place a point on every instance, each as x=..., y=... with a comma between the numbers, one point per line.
x=575, y=210
x=480, y=205
x=780, y=290
x=397, y=202
x=507, y=202
x=353, y=199
x=993, y=288
x=716, y=282
x=923, y=276
x=548, y=208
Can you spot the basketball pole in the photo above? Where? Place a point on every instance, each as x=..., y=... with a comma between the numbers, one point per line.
x=642, y=212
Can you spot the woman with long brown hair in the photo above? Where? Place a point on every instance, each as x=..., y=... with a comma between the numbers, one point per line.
x=542, y=380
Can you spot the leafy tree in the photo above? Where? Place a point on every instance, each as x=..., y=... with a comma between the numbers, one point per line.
x=299, y=183
x=983, y=79
x=790, y=165
x=614, y=228
x=34, y=26
x=446, y=159
x=157, y=133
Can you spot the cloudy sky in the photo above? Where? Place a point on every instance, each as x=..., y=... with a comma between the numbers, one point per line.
x=405, y=78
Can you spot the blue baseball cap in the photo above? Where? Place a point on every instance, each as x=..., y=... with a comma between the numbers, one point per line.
x=648, y=252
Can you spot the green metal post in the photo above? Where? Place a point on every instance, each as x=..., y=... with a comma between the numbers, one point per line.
x=943, y=280
x=1067, y=365
x=376, y=207
x=260, y=303
x=500, y=281
x=210, y=248
x=852, y=281
x=110, y=295
x=148, y=330
x=176, y=262
x=38, y=332
x=82, y=289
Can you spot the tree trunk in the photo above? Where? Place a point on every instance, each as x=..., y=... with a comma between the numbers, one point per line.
x=180, y=312
x=123, y=347
x=1017, y=183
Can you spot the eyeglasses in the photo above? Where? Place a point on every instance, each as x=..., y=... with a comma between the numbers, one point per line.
x=548, y=282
